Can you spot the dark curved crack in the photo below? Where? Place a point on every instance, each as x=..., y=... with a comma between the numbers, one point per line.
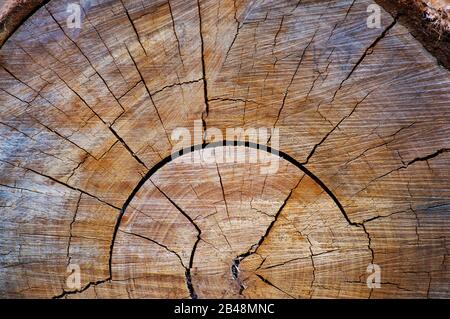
x=252, y=250
x=282, y=155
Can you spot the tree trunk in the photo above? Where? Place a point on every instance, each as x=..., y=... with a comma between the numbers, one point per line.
x=113, y=168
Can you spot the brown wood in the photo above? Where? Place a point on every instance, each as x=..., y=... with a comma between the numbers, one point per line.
x=86, y=178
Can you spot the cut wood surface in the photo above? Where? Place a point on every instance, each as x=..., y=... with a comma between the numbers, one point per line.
x=87, y=120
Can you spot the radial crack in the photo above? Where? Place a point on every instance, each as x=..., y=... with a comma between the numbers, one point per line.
x=205, y=82
x=366, y=52
x=264, y=280
x=157, y=243
x=312, y=264
x=61, y=183
x=69, y=258
x=334, y=128
x=223, y=191
x=286, y=92
x=191, y=289
x=175, y=31
x=254, y=248
x=85, y=56
x=134, y=27
x=149, y=93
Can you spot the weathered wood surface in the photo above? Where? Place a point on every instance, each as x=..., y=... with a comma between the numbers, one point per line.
x=86, y=113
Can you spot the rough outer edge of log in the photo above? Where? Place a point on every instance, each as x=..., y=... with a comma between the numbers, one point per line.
x=434, y=35
x=14, y=13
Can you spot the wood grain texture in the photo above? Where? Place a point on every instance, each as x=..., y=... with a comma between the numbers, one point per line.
x=86, y=177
